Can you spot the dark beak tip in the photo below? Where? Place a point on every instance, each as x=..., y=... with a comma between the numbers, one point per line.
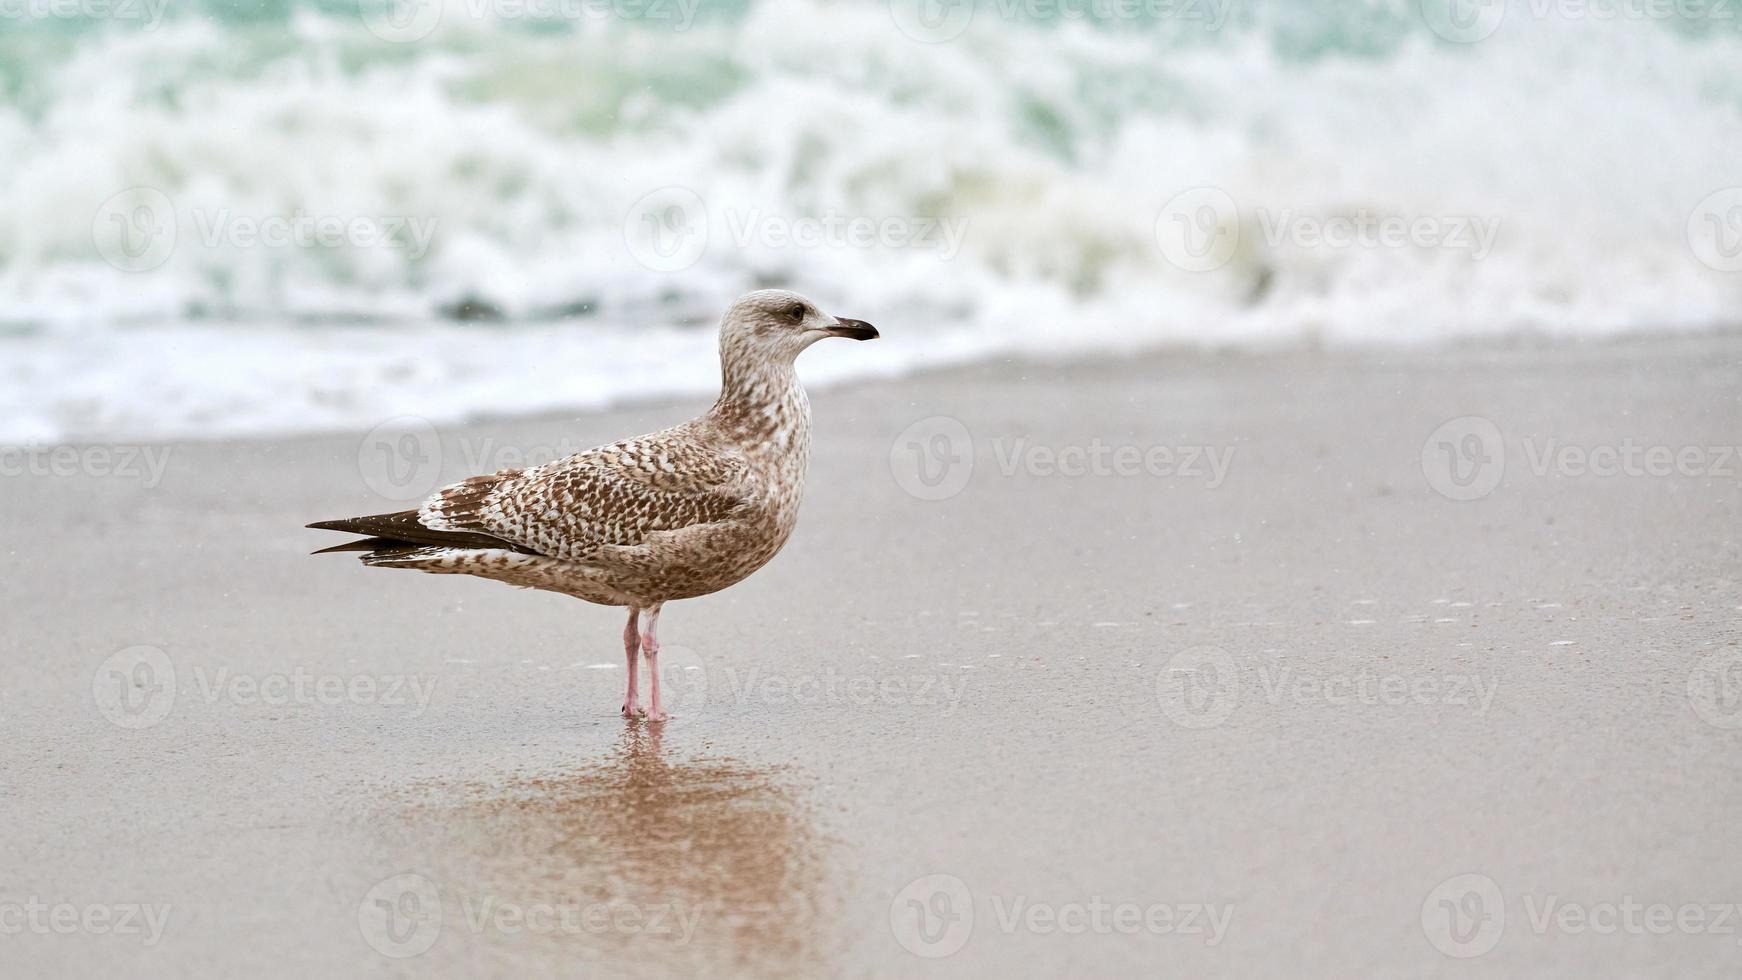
x=856, y=329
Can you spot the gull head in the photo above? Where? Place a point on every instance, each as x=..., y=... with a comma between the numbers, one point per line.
x=777, y=325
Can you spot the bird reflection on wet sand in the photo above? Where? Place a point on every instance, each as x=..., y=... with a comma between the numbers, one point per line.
x=638, y=863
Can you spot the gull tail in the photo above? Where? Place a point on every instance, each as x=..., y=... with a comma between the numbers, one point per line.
x=401, y=539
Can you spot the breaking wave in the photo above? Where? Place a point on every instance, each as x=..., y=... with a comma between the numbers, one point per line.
x=216, y=220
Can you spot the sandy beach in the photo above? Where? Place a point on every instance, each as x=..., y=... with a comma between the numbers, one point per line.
x=1308, y=664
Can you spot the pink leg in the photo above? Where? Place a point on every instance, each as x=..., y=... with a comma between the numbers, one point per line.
x=650, y=645
x=631, y=649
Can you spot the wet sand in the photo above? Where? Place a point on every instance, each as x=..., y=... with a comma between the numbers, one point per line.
x=1203, y=669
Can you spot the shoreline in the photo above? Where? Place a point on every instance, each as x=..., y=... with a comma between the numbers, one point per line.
x=841, y=372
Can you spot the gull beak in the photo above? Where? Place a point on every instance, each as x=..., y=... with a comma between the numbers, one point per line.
x=854, y=329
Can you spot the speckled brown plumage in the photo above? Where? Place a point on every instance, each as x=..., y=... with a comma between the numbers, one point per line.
x=674, y=514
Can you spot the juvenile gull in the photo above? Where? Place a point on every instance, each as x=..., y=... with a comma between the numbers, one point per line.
x=675, y=514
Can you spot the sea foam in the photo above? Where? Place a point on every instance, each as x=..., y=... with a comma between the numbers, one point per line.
x=220, y=227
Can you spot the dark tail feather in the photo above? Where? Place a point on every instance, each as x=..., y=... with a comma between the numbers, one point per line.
x=365, y=544
x=393, y=525
x=404, y=530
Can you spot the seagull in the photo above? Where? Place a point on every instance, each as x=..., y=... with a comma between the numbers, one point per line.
x=674, y=514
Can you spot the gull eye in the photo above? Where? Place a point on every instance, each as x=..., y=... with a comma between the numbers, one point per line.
x=796, y=311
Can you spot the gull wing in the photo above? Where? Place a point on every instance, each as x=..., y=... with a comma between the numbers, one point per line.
x=615, y=495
